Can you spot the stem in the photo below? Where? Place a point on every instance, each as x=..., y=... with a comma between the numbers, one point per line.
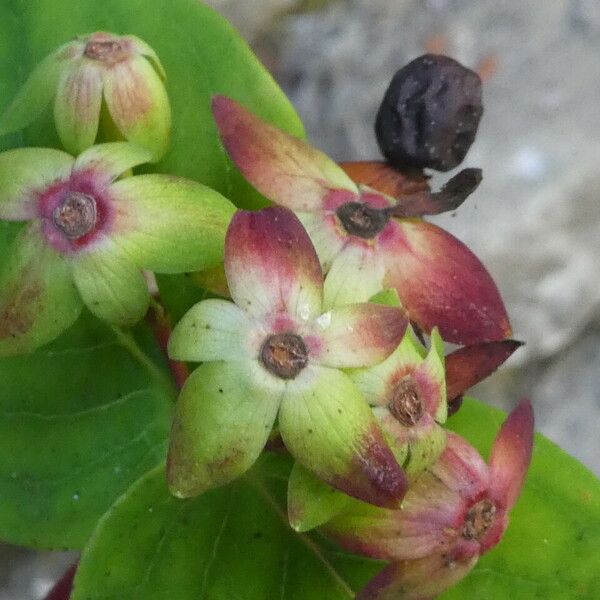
x=127, y=341
x=160, y=324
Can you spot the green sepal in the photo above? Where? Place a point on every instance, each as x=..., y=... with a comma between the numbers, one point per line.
x=77, y=105
x=223, y=419
x=311, y=502
x=111, y=286
x=387, y=297
x=38, y=300
x=328, y=427
x=112, y=159
x=169, y=224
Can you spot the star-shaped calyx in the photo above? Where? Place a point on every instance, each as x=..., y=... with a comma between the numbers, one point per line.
x=407, y=393
x=274, y=353
x=453, y=513
x=89, y=235
x=367, y=241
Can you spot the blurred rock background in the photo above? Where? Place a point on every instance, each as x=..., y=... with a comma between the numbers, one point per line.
x=535, y=220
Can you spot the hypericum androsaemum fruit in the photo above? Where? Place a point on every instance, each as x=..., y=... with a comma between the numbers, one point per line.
x=274, y=353
x=430, y=114
x=407, y=393
x=120, y=72
x=367, y=241
x=90, y=234
x=452, y=514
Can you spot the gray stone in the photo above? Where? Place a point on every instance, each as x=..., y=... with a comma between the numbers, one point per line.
x=567, y=399
x=29, y=575
x=252, y=17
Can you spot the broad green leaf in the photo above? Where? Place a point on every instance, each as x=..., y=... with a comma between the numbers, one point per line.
x=12, y=70
x=178, y=293
x=550, y=549
x=232, y=543
x=80, y=420
x=202, y=56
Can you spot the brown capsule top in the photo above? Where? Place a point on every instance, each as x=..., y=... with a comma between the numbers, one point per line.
x=284, y=355
x=106, y=48
x=405, y=403
x=76, y=215
x=362, y=220
x=478, y=520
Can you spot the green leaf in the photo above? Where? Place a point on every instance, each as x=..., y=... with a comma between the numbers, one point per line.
x=12, y=72
x=202, y=56
x=178, y=293
x=550, y=549
x=232, y=543
x=80, y=420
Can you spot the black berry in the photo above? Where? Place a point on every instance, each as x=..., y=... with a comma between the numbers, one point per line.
x=429, y=114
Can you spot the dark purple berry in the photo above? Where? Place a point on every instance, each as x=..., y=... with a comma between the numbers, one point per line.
x=429, y=114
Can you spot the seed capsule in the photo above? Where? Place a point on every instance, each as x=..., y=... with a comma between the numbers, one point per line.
x=76, y=215
x=430, y=114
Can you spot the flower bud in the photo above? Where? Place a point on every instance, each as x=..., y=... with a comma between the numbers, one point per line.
x=101, y=83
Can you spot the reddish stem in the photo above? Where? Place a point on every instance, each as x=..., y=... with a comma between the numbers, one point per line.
x=62, y=588
x=160, y=324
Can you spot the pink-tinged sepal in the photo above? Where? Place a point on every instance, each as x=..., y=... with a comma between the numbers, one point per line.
x=511, y=455
x=468, y=366
x=282, y=167
x=138, y=104
x=358, y=335
x=442, y=283
x=357, y=460
x=423, y=579
x=461, y=467
x=414, y=531
x=375, y=476
x=271, y=264
x=386, y=179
